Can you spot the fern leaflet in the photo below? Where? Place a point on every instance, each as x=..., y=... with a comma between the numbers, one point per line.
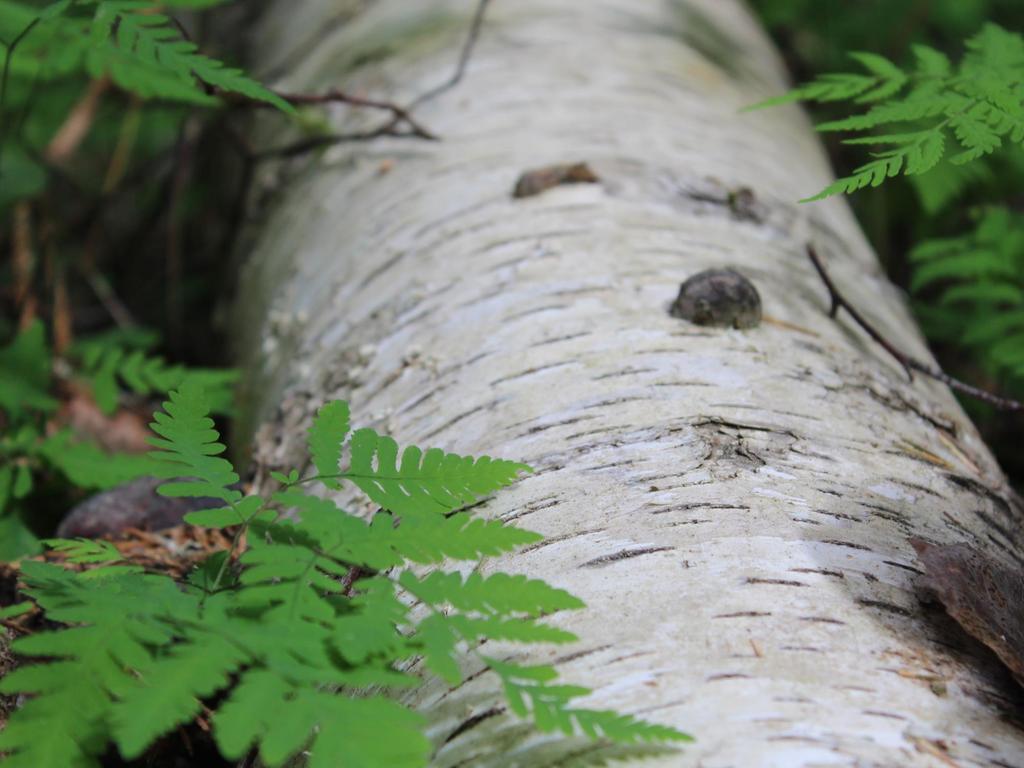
x=329, y=430
x=85, y=550
x=168, y=689
x=103, y=366
x=144, y=53
x=529, y=691
x=499, y=593
x=431, y=480
x=25, y=374
x=190, y=449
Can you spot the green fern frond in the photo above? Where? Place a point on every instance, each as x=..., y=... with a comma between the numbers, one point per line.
x=428, y=539
x=978, y=282
x=384, y=543
x=52, y=733
x=18, y=609
x=431, y=480
x=15, y=481
x=168, y=688
x=989, y=329
x=190, y=449
x=292, y=634
x=239, y=721
x=105, y=364
x=49, y=45
x=291, y=579
x=529, y=691
x=144, y=53
x=85, y=550
x=970, y=265
x=622, y=729
x=89, y=466
x=140, y=50
x=830, y=87
x=499, y=593
x=976, y=134
x=75, y=692
x=282, y=720
x=889, y=79
x=325, y=526
x=244, y=512
x=931, y=63
x=871, y=174
x=514, y=630
x=437, y=640
x=326, y=436
x=369, y=627
x=976, y=105
x=25, y=373
x=983, y=294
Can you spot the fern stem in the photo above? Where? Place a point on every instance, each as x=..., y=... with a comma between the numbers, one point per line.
x=334, y=476
x=299, y=583
x=236, y=539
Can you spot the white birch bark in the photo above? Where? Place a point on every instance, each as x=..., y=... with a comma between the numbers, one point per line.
x=733, y=506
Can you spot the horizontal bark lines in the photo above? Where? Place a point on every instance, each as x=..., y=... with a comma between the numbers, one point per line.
x=734, y=506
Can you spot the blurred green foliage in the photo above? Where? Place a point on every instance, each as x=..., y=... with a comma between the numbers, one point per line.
x=104, y=179
x=975, y=282
x=295, y=640
x=936, y=115
x=58, y=48
x=817, y=36
x=36, y=448
x=950, y=232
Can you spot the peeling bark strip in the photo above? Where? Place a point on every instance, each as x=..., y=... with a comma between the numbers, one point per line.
x=461, y=317
x=984, y=597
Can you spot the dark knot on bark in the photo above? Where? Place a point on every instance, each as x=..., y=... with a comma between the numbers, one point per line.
x=718, y=297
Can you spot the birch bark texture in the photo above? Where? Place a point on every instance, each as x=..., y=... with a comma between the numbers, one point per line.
x=734, y=506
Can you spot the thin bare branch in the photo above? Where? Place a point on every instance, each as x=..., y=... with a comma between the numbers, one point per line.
x=399, y=115
x=464, y=56
x=316, y=142
x=909, y=363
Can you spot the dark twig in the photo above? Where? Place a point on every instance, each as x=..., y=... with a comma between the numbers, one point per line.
x=467, y=51
x=355, y=573
x=399, y=115
x=839, y=302
x=909, y=363
x=315, y=142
